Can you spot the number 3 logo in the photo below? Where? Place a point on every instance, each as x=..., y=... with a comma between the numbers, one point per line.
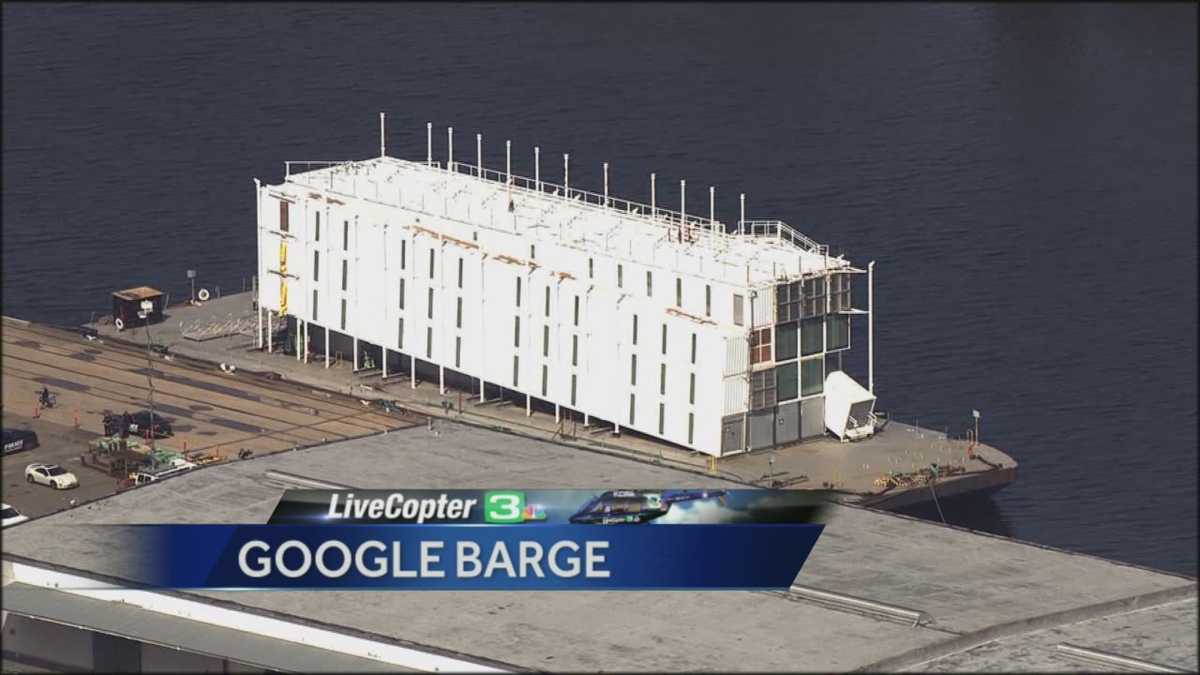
x=504, y=507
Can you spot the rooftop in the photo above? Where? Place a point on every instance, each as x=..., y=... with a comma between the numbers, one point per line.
x=984, y=596
x=759, y=252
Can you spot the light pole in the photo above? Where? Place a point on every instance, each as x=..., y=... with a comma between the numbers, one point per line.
x=191, y=275
x=975, y=414
x=147, y=308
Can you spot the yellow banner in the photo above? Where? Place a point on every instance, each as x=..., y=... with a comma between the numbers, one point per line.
x=282, y=297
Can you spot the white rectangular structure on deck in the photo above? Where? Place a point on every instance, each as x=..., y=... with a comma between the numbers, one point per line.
x=634, y=315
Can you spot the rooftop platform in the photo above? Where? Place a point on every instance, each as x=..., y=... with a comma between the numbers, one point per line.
x=852, y=468
x=768, y=250
x=983, y=596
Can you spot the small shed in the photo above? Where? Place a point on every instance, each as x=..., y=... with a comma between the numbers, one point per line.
x=849, y=408
x=127, y=304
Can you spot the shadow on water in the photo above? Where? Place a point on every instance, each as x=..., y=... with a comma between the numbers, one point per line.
x=974, y=511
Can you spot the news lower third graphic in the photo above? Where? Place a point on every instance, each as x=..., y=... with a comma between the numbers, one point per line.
x=495, y=540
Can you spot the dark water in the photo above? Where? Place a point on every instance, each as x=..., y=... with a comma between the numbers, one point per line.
x=1025, y=176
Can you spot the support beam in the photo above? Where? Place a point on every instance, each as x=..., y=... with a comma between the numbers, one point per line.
x=528, y=406
x=442, y=380
x=299, y=338
x=557, y=414
x=384, y=362
x=587, y=420
x=258, y=342
x=412, y=369
x=270, y=334
x=306, y=342
x=870, y=327
x=481, y=384
x=355, y=354
x=326, y=347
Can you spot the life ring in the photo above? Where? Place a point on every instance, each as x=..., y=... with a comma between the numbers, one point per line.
x=203, y=294
x=119, y=323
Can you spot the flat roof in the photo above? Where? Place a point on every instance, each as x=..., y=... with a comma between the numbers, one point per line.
x=770, y=249
x=971, y=585
x=138, y=293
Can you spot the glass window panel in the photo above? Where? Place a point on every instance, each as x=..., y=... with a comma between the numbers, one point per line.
x=787, y=381
x=812, y=376
x=812, y=336
x=787, y=336
x=838, y=326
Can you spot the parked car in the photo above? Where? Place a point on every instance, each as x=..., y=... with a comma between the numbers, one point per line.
x=136, y=424
x=11, y=515
x=52, y=475
x=16, y=440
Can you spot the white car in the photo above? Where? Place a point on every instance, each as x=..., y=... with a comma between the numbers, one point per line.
x=11, y=515
x=51, y=474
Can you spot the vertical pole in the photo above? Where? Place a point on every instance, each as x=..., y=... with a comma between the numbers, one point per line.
x=259, y=342
x=326, y=346
x=712, y=205
x=871, y=327
x=412, y=370
x=450, y=153
x=537, y=168
x=479, y=155
x=384, y=362
x=566, y=176
x=355, y=354
x=481, y=400
x=557, y=418
x=587, y=420
x=442, y=380
x=742, y=217
x=682, y=211
x=306, y=342
x=382, y=144
x=270, y=334
x=653, y=200
x=429, y=144
x=528, y=406
x=508, y=164
x=605, y=186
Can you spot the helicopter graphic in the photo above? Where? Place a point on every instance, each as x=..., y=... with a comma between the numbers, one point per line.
x=630, y=507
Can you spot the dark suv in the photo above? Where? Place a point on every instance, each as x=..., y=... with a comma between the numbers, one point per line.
x=16, y=440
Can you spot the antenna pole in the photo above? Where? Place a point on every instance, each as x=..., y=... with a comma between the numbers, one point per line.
x=871, y=327
x=479, y=155
x=508, y=164
x=712, y=205
x=537, y=167
x=429, y=144
x=566, y=176
x=682, y=209
x=382, y=145
x=742, y=219
x=606, y=185
x=450, y=154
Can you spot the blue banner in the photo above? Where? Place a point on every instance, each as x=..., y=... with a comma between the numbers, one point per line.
x=472, y=556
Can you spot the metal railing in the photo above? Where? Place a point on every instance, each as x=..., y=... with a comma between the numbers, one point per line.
x=784, y=232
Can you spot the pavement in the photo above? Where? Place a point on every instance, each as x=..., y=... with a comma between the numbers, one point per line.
x=983, y=594
x=850, y=468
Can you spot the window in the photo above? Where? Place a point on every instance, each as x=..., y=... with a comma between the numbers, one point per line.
x=707, y=300
x=317, y=228
x=345, y=235
x=632, y=407
x=692, y=389
x=591, y=268
x=635, y=329
x=429, y=303
x=762, y=389
x=620, y=276
x=814, y=296
x=547, y=301
x=787, y=382
x=633, y=370
x=516, y=331
x=400, y=334
x=429, y=342
x=431, y=263
x=812, y=336
x=661, y=416
x=516, y=370
x=345, y=274
x=664, y=338
x=532, y=251
x=577, y=310
x=787, y=302
x=760, y=345
x=678, y=292
x=833, y=362
x=649, y=284
x=518, y=291
x=316, y=265
x=546, y=340
x=812, y=376
x=574, y=350
x=403, y=252
x=401, y=292
x=786, y=337
x=839, y=292
x=662, y=379
x=283, y=216
x=693, y=347
x=314, y=307
x=572, y=389
x=837, y=328
x=343, y=324
x=458, y=313
x=460, y=270
x=691, y=426
x=738, y=301
x=545, y=379
x=457, y=352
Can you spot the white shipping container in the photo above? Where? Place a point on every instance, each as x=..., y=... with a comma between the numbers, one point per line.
x=737, y=355
x=736, y=395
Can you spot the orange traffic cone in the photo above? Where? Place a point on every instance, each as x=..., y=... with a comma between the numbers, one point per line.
x=36, y=411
